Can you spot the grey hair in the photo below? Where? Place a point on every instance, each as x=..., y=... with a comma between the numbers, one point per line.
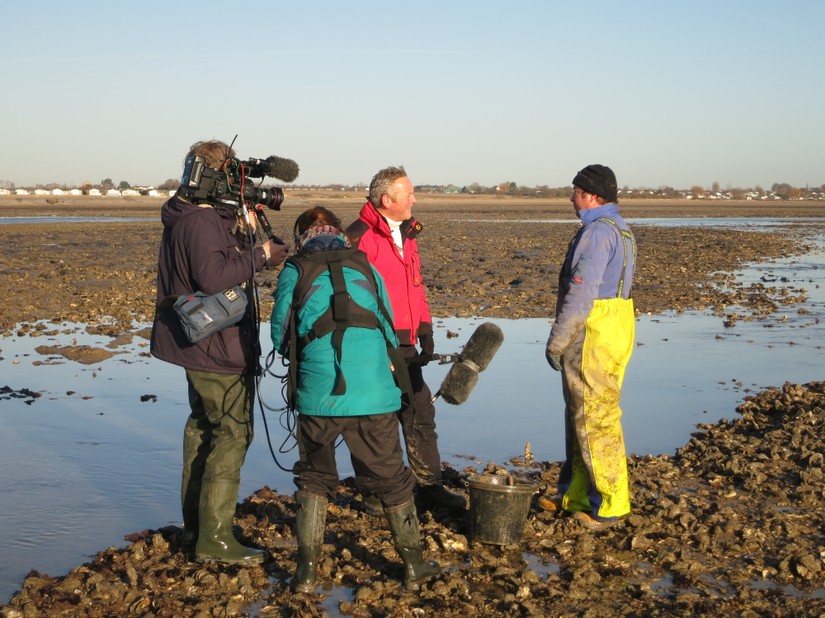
x=383, y=181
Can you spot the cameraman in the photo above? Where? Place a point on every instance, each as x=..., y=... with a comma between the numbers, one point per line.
x=207, y=248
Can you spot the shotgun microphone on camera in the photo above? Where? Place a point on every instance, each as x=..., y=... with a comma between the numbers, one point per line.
x=275, y=167
x=473, y=359
x=226, y=187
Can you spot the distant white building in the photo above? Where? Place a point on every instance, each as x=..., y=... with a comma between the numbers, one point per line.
x=5, y=192
x=21, y=192
x=75, y=192
x=40, y=192
x=95, y=192
x=113, y=192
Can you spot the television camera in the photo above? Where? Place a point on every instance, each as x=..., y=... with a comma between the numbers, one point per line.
x=231, y=188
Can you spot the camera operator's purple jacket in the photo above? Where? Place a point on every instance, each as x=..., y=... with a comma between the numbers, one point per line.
x=201, y=251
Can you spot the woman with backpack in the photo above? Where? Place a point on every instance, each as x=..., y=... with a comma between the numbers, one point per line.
x=333, y=322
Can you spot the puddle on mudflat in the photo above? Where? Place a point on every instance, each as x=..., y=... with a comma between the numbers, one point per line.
x=542, y=566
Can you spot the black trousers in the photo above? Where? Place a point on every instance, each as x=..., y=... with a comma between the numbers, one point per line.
x=418, y=424
x=375, y=449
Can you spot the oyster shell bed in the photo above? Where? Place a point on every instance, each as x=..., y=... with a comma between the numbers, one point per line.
x=730, y=524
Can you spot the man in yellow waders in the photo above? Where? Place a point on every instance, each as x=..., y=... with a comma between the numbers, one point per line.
x=590, y=343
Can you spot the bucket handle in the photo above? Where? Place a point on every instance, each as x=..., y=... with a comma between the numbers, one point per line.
x=511, y=482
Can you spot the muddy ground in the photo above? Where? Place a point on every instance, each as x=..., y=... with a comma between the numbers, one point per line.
x=730, y=524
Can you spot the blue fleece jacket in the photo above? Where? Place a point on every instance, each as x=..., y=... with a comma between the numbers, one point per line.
x=592, y=270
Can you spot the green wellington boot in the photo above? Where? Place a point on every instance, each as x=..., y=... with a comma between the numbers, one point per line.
x=190, y=488
x=190, y=495
x=215, y=540
x=407, y=539
x=309, y=528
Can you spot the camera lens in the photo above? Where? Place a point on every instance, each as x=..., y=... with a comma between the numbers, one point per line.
x=271, y=198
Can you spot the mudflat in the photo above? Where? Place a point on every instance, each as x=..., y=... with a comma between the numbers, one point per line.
x=484, y=256
x=729, y=525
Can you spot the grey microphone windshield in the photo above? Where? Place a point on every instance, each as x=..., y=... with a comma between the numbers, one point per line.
x=474, y=358
x=280, y=168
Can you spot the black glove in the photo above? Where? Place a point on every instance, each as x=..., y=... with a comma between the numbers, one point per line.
x=425, y=341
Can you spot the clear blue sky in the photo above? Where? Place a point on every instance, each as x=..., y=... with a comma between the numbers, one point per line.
x=666, y=92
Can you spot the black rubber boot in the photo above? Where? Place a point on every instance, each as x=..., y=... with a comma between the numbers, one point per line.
x=436, y=495
x=372, y=505
x=188, y=541
x=309, y=528
x=215, y=540
x=406, y=536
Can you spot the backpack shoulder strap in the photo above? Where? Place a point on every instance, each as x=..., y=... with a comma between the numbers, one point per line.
x=342, y=313
x=360, y=261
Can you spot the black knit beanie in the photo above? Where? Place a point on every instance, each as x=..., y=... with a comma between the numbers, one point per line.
x=599, y=180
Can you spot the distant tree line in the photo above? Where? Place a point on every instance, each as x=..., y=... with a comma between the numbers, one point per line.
x=778, y=191
x=782, y=191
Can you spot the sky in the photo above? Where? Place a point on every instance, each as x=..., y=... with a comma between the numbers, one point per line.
x=667, y=93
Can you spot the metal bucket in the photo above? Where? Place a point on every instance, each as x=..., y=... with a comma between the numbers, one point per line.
x=498, y=509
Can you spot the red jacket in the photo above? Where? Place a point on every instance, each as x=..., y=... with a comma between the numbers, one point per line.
x=402, y=274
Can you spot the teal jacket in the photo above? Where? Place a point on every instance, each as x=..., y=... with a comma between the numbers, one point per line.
x=370, y=386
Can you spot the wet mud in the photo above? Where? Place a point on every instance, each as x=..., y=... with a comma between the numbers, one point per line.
x=730, y=524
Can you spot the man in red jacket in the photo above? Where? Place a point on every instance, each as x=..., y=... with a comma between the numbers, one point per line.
x=386, y=232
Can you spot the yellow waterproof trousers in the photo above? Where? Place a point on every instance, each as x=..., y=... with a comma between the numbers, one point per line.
x=594, y=476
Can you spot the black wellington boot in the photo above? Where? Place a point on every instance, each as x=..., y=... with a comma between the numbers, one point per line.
x=216, y=513
x=372, y=505
x=407, y=539
x=310, y=522
x=436, y=495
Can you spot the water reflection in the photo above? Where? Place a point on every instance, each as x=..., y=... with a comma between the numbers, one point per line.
x=89, y=461
x=755, y=224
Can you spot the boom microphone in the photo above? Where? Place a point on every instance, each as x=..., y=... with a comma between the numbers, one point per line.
x=282, y=169
x=474, y=358
x=276, y=167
